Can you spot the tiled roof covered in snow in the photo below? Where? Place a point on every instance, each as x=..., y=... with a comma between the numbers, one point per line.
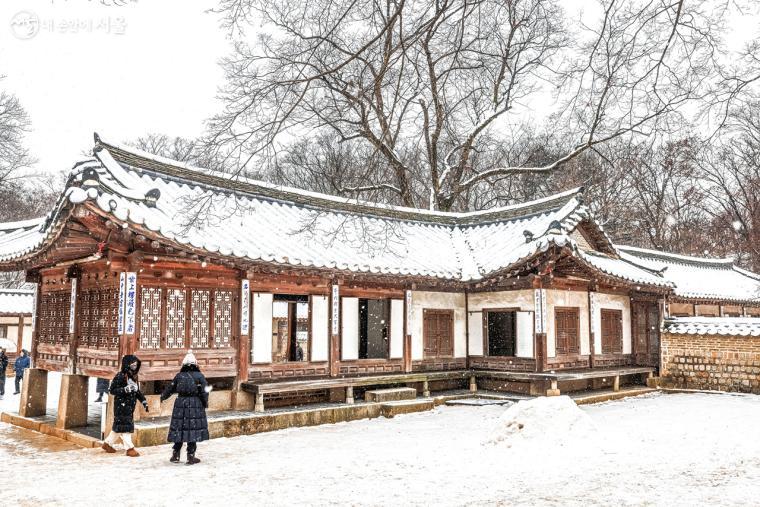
x=698, y=278
x=731, y=326
x=16, y=301
x=256, y=221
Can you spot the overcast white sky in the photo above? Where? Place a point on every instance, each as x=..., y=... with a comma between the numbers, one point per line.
x=130, y=67
x=124, y=68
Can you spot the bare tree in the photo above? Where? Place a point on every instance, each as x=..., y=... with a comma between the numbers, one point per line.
x=432, y=91
x=14, y=124
x=180, y=149
x=731, y=172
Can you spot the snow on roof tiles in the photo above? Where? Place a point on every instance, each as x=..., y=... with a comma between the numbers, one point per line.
x=16, y=301
x=731, y=326
x=698, y=278
x=259, y=221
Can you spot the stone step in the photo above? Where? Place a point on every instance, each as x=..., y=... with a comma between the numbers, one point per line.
x=394, y=408
x=391, y=394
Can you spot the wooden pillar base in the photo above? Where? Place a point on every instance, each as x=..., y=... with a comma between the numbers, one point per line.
x=33, y=400
x=72, y=402
x=258, y=406
x=349, y=394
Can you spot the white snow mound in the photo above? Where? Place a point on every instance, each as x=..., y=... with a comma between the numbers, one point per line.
x=552, y=421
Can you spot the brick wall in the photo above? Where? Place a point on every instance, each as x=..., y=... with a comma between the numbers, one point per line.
x=712, y=362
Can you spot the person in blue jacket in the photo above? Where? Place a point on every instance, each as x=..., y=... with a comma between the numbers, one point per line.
x=22, y=363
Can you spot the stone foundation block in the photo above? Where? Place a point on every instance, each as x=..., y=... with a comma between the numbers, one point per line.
x=392, y=409
x=395, y=394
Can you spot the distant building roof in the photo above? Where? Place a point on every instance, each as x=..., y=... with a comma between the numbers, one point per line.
x=16, y=301
x=733, y=326
x=698, y=278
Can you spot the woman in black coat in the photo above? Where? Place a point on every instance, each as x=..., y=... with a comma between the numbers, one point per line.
x=188, y=422
x=126, y=392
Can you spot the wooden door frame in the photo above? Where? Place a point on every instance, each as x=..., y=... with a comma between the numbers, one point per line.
x=619, y=313
x=577, y=311
x=437, y=311
x=485, y=312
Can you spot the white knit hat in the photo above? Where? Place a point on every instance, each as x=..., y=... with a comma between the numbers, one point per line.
x=189, y=358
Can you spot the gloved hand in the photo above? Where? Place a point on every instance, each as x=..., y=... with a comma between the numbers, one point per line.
x=145, y=406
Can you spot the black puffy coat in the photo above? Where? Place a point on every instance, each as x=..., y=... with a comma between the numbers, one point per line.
x=188, y=422
x=124, y=402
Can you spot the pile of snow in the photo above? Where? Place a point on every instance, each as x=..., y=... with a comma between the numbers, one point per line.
x=548, y=421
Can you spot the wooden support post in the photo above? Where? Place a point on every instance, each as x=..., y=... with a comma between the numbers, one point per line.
x=334, y=352
x=616, y=383
x=407, y=333
x=36, y=323
x=244, y=342
x=473, y=384
x=349, y=394
x=259, y=405
x=426, y=388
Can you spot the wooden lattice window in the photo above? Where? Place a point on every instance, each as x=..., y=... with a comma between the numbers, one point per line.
x=150, y=317
x=567, y=331
x=87, y=331
x=54, y=317
x=109, y=319
x=199, y=318
x=223, y=318
x=175, y=318
x=612, y=331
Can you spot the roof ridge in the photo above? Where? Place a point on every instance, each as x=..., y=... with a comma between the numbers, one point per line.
x=142, y=161
x=660, y=254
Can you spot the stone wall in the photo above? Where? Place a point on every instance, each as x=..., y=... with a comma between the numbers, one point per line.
x=711, y=362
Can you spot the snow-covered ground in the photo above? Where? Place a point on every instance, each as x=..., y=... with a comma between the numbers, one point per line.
x=660, y=449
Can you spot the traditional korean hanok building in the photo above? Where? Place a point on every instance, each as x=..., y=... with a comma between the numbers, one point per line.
x=711, y=332
x=285, y=294
x=16, y=307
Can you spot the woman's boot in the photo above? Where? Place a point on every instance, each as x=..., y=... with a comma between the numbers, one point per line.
x=191, y=459
x=175, y=456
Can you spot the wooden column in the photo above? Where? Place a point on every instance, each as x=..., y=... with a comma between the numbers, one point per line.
x=20, y=334
x=244, y=326
x=73, y=275
x=36, y=320
x=407, y=332
x=591, y=337
x=334, y=352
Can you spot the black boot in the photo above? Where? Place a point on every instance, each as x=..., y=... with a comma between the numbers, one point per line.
x=191, y=459
x=175, y=456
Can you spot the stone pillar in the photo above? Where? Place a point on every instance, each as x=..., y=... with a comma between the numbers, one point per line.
x=72, y=402
x=554, y=389
x=349, y=394
x=426, y=389
x=473, y=384
x=616, y=383
x=33, y=400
